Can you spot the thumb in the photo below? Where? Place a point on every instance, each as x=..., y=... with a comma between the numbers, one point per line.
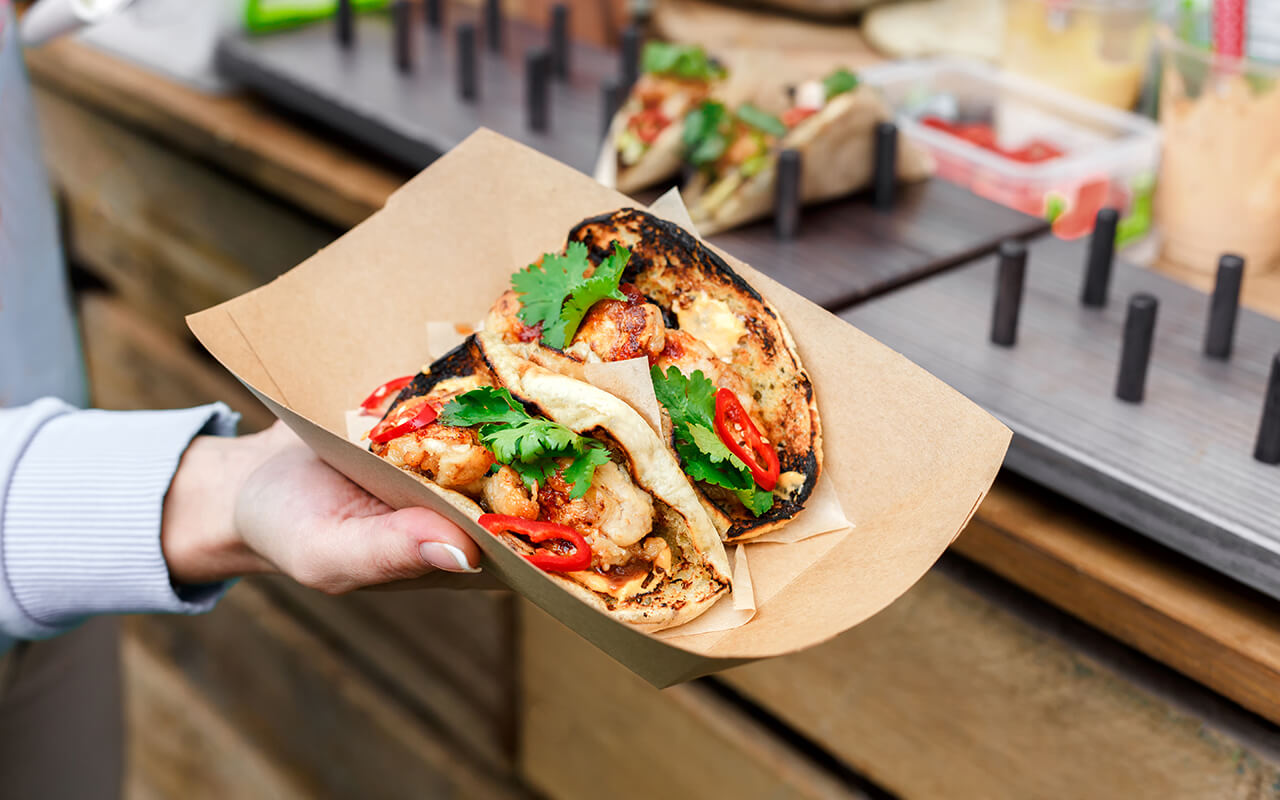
x=406, y=544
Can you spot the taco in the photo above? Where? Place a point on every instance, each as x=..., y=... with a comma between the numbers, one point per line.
x=565, y=474
x=643, y=145
x=739, y=408
x=831, y=123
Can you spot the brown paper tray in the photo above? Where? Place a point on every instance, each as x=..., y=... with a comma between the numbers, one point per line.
x=910, y=458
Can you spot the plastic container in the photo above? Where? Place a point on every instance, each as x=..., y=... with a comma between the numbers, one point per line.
x=1096, y=49
x=1108, y=157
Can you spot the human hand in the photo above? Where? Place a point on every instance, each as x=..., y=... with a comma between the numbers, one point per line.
x=265, y=503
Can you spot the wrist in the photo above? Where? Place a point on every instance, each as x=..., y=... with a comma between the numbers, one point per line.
x=198, y=533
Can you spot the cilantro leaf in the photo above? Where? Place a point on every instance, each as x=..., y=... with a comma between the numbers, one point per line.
x=839, y=82
x=532, y=447
x=602, y=283
x=756, y=500
x=761, y=120
x=690, y=402
x=680, y=61
x=487, y=404
x=704, y=133
x=583, y=469
x=557, y=293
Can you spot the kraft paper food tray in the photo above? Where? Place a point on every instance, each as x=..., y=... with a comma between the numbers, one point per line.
x=910, y=458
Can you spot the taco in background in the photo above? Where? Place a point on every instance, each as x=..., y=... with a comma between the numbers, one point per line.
x=643, y=145
x=565, y=474
x=740, y=411
x=831, y=123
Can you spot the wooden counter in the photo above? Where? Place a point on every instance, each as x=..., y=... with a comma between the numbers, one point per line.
x=174, y=201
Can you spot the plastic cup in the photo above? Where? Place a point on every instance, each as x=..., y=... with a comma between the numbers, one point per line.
x=1219, y=184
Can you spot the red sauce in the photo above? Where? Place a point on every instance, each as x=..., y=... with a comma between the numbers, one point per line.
x=527, y=333
x=634, y=298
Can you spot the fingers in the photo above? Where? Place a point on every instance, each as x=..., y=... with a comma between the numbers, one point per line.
x=372, y=550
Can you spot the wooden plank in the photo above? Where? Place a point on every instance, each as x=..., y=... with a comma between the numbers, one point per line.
x=133, y=363
x=180, y=746
x=1178, y=467
x=167, y=234
x=450, y=656
x=1170, y=608
x=848, y=251
x=302, y=703
x=415, y=117
x=948, y=693
x=591, y=729
x=233, y=132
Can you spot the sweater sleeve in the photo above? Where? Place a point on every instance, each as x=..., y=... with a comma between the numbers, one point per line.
x=81, y=502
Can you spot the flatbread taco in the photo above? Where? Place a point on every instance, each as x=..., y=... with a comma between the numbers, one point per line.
x=738, y=407
x=643, y=145
x=564, y=473
x=734, y=151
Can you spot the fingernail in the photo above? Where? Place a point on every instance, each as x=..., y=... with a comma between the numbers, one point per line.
x=446, y=557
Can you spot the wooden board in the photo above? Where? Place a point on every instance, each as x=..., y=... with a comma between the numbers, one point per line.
x=1167, y=606
x=846, y=251
x=415, y=117
x=965, y=689
x=1178, y=468
x=590, y=729
x=303, y=704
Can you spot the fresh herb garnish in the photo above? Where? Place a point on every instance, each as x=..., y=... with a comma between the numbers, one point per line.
x=528, y=445
x=704, y=134
x=556, y=294
x=686, y=61
x=761, y=120
x=839, y=82
x=691, y=404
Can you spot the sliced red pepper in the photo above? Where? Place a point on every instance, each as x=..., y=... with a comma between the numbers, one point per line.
x=373, y=401
x=543, y=558
x=648, y=123
x=733, y=425
x=409, y=417
x=794, y=116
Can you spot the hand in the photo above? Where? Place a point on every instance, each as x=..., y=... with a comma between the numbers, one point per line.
x=265, y=503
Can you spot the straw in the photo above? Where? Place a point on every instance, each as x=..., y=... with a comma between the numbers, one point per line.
x=1228, y=28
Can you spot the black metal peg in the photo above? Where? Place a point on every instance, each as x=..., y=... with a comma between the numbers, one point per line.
x=1135, y=350
x=493, y=24
x=402, y=34
x=884, y=176
x=1102, y=247
x=1010, y=277
x=611, y=99
x=1267, y=449
x=786, y=198
x=560, y=40
x=435, y=14
x=468, y=84
x=537, y=96
x=629, y=57
x=344, y=23
x=1223, y=306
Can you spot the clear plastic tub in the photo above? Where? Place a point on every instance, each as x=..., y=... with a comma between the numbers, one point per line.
x=1107, y=157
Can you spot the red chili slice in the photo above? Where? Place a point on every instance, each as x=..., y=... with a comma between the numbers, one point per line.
x=543, y=558
x=733, y=424
x=794, y=116
x=409, y=417
x=373, y=401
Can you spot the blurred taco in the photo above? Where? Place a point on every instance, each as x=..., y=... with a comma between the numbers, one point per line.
x=734, y=152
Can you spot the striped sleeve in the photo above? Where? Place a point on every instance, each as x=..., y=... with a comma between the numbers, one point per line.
x=83, y=497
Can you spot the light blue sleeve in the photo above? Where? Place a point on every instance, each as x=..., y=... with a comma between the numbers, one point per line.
x=81, y=501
